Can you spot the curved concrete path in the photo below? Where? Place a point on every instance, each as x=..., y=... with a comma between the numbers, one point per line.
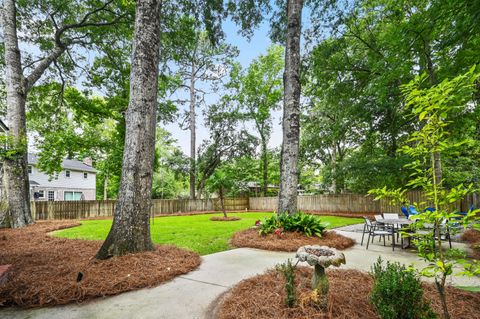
x=189, y=296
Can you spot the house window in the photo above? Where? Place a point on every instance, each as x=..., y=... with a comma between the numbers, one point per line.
x=41, y=193
x=51, y=195
x=72, y=195
x=85, y=175
x=67, y=174
x=30, y=169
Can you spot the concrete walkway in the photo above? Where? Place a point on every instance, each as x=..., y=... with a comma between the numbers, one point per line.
x=189, y=296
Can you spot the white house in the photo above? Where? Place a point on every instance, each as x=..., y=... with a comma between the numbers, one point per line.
x=76, y=181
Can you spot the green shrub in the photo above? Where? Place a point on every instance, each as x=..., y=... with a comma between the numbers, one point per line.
x=288, y=271
x=397, y=293
x=308, y=224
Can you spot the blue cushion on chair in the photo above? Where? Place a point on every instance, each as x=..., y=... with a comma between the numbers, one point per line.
x=413, y=210
x=405, y=211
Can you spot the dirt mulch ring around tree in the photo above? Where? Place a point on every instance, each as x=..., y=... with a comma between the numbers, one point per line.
x=263, y=297
x=472, y=236
x=224, y=219
x=289, y=241
x=45, y=269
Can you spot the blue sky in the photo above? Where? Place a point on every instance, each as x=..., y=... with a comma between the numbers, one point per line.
x=248, y=50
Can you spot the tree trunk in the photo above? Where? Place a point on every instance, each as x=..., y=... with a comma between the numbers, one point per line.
x=287, y=202
x=437, y=157
x=130, y=231
x=222, y=201
x=265, y=165
x=15, y=168
x=192, y=133
x=437, y=162
x=4, y=215
x=105, y=187
x=334, y=168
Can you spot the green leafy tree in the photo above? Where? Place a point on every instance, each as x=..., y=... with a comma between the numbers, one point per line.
x=55, y=29
x=227, y=141
x=220, y=183
x=255, y=93
x=434, y=107
x=202, y=64
x=170, y=176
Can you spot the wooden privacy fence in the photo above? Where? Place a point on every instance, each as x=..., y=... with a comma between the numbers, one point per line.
x=352, y=203
x=342, y=203
x=103, y=208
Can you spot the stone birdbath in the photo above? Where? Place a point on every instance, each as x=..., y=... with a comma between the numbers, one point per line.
x=321, y=257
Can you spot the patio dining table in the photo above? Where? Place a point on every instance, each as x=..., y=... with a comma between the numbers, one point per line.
x=394, y=222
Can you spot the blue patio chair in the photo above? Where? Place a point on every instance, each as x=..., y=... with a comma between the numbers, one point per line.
x=405, y=211
x=413, y=210
x=463, y=214
x=429, y=209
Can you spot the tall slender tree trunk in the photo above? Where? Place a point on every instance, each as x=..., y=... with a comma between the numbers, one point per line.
x=105, y=187
x=437, y=157
x=334, y=168
x=15, y=168
x=287, y=201
x=222, y=201
x=130, y=230
x=264, y=165
x=193, y=101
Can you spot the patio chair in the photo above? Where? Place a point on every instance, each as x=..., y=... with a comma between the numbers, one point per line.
x=405, y=211
x=395, y=226
x=463, y=214
x=413, y=210
x=372, y=232
x=390, y=216
x=445, y=232
x=380, y=225
x=430, y=228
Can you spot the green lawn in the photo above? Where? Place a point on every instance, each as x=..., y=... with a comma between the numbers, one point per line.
x=195, y=232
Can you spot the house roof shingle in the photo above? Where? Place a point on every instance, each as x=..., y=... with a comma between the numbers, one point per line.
x=66, y=164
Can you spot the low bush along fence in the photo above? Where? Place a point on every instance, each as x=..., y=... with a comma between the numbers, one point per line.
x=341, y=203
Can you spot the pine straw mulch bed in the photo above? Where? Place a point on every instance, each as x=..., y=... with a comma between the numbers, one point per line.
x=289, y=241
x=472, y=236
x=263, y=297
x=224, y=219
x=44, y=269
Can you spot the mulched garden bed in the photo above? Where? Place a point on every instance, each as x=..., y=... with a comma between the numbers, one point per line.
x=45, y=269
x=263, y=297
x=472, y=236
x=289, y=241
x=224, y=219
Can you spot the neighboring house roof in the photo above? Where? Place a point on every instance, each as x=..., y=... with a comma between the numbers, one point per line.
x=66, y=164
x=33, y=183
x=3, y=127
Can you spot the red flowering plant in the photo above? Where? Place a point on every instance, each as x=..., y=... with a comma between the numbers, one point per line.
x=278, y=232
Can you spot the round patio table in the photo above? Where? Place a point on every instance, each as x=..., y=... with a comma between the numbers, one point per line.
x=394, y=222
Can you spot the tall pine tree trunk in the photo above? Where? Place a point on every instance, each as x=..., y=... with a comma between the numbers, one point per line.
x=130, y=231
x=264, y=165
x=287, y=201
x=334, y=168
x=192, y=133
x=15, y=168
